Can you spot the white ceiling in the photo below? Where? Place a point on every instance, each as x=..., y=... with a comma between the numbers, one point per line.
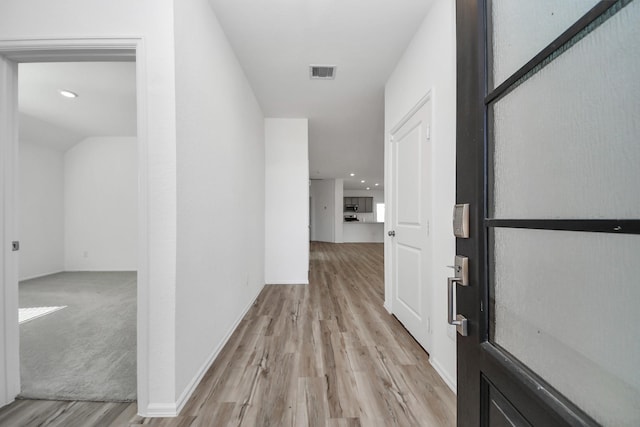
x=277, y=40
x=106, y=105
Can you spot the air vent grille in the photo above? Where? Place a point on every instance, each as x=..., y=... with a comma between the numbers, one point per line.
x=322, y=72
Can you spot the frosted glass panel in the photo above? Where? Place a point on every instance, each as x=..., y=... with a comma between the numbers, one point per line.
x=566, y=141
x=566, y=305
x=522, y=28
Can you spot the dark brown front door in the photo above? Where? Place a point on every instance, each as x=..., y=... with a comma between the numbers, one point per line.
x=548, y=158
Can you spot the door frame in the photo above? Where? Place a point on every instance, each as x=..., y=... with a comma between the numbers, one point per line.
x=13, y=52
x=540, y=403
x=389, y=201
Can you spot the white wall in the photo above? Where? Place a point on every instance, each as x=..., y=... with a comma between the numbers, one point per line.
x=41, y=218
x=151, y=20
x=287, y=201
x=101, y=201
x=338, y=207
x=429, y=63
x=327, y=208
x=221, y=193
x=324, y=210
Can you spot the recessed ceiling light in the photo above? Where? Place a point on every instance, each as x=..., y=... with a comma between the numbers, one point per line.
x=376, y=184
x=352, y=174
x=368, y=188
x=363, y=181
x=68, y=93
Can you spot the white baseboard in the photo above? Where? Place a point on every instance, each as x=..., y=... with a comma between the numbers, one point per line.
x=160, y=410
x=5, y=403
x=37, y=276
x=100, y=270
x=290, y=282
x=40, y=275
x=387, y=307
x=446, y=377
x=191, y=387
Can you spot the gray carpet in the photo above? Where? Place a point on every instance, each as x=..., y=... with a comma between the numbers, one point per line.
x=86, y=351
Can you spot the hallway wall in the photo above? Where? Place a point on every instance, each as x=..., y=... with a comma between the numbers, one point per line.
x=287, y=201
x=221, y=195
x=429, y=64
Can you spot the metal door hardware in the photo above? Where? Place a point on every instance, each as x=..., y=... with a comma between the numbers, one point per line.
x=15, y=245
x=461, y=221
x=391, y=233
x=461, y=268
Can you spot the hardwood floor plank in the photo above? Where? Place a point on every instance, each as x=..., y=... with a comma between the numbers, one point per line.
x=215, y=414
x=125, y=417
x=277, y=392
x=30, y=413
x=313, y=408
x=87, y=413
x=344, y=422
x=327, y=354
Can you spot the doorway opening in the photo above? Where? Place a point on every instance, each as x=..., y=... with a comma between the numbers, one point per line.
x=77, y=208
x=13, y=53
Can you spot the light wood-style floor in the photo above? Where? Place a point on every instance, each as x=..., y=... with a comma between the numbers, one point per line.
x=327, y=354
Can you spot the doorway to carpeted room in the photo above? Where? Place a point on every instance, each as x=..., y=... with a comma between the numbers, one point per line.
x=77, y=204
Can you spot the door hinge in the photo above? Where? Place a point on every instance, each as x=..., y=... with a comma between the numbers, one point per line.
x=428, y=132
x=15, y=245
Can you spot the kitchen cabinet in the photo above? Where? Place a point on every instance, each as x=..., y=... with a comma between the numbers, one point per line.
x=368, y=204
x=365, y=204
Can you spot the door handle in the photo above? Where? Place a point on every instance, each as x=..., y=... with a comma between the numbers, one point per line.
x=392, y=233
x=460, y=322
x=461, y=268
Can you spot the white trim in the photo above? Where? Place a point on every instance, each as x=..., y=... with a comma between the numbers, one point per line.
x=100, y=270
x=69, y=49
x=410, y=114
x=172, y=410
x=9, y=330
x=37, y=276
x=159, y=410
x=387, y=307
x=450, y=381
x=289, y=282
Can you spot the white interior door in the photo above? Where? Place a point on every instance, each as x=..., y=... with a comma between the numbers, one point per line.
x=411, y=214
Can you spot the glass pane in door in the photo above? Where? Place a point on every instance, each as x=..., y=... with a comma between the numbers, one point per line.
x=522, y=28
x=565, y=304
x=567, y=140
x=565, y=144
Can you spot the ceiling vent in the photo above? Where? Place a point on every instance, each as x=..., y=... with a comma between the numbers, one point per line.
x=322, y=72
